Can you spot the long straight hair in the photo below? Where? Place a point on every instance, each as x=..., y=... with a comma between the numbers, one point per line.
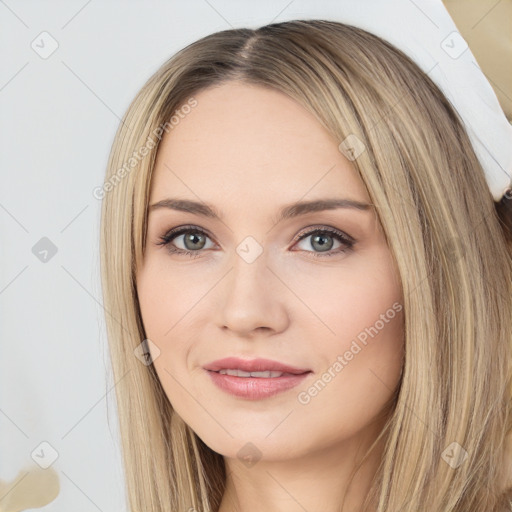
x=452, y=251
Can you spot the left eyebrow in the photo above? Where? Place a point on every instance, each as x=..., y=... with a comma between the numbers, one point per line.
x=286, y=212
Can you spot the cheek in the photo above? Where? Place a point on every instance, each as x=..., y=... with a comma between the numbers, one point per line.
x=360, y=317
x=167, y=298
x=358, y=381
x=344, y=301
x=169, y=304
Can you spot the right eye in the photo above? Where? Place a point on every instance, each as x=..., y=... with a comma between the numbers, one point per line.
x=194, y=240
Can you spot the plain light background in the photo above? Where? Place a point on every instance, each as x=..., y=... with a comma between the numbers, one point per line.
x=59, y=114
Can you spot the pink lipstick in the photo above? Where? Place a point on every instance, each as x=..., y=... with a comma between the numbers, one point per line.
x=254, y=379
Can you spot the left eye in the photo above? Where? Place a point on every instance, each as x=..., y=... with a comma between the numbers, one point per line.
x=194, y=240
x=322, y=240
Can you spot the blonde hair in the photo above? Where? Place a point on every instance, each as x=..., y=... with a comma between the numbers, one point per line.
x=442, y=227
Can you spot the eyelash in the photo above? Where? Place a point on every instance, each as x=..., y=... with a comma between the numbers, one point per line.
x=174, y=233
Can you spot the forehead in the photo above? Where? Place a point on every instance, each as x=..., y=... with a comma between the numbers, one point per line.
x=253, y=142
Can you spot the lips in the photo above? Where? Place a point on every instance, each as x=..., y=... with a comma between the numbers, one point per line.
x=253, y=365
x=254, y=379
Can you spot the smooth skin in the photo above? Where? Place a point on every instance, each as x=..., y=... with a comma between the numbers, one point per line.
x=248, y=151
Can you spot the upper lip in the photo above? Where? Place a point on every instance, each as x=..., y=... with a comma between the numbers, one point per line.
x=252, y=365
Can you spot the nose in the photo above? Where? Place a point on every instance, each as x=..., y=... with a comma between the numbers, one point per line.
x=251, y=298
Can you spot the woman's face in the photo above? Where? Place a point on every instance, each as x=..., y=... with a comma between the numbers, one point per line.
x=315, y=289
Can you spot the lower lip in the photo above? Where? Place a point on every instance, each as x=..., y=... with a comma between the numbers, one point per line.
x=255, y=388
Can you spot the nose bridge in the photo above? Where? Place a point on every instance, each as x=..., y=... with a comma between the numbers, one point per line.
x=250, y=294
x=249, y=273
